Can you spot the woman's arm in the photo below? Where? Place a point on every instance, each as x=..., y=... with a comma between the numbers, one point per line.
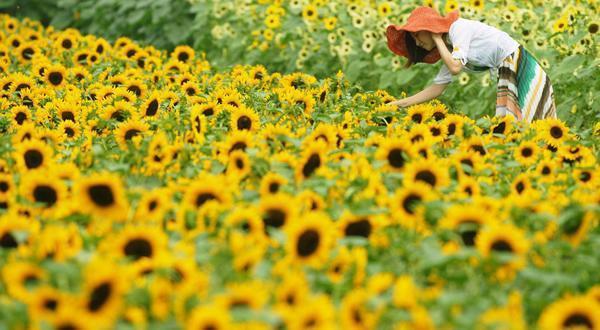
x=454, y=65
x=429, y=93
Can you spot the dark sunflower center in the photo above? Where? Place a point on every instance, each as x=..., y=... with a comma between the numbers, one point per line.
x=183, y=56
x=546, y=170
x=152, y=108
x=396, y=158
x=308, y=243
x=238, y=146
x=314, y=161
x=152, y=206
x=33, y=158
x=585, y=176
x=131, y=133
x=203, y=198
x=435, y=131
x=520, y=187
x=417, y=117
x=3, y=186
x=410, y=202
x=102, y=195
x=451, y=129
x=67, y=44
x=20, y=118
x=468, y=231
x=50, y=304
x=208, y=112
x=578, y=320
x=239, y=164
x=526, y=152
x=138, y=248
x=556, y=132
x=55, y=78
x=99, y=296
x=28, y=53
x=45, y=194
x=358, y=228
x=502, y=246
x=66, y=326
x=244, y=123
x=479, y=149
x=273, y=187
x=426, y=176
x=274, y=218
x=8, y=241
x=67, y=115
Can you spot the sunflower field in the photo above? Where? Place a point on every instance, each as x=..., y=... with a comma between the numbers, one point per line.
x=142, y=188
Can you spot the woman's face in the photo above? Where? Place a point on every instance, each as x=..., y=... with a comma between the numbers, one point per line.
x=423, y=39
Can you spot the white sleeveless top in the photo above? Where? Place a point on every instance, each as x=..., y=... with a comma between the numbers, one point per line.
x=478, y=46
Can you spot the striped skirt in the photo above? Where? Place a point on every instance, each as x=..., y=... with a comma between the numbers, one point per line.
x=524, y=89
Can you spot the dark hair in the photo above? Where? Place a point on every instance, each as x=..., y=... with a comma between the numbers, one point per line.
x=416, y=54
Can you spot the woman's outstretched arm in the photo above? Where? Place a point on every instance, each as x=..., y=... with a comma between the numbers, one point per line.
x=429, y=93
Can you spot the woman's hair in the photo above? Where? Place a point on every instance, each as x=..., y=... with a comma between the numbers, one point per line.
x=415, y=53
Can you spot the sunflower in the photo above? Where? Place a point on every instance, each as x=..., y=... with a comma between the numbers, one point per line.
x=317, y=312
x=454, y=125
x=310, y=200
x=32, y=154
x=137, y=243
x=304, y=100
x=418, y=113
x=153, y=205
x=22, y=278
x=69, y=111
x=291, y=292
x=55, y=75
x=101, y=297
x=340, y=264
x=183, y=54
x=314, y=156
x=271, y=183
x=546, y=170
x=503, y=238
x=102, y=195
x=554, y=132
x=16, y=231
x=46, y=302
x=247, y=221
x=395, y=152
x=120, y=111
x=128, y=130
x=151, y=106
x=45, y=190
x=277, y=210
x=406, y=204
x=576, y=227
x=527, y=153
x=238, y=164
x=467, y=221
x=427, y=171
x=20, y=114
x=244, y=118
x=215, y=317
x=26, y=51
x=467, y=162
x=204, y=189
x=573, y=312
x=356, y=226
x=68, y=130
x=309, y=238
x=238, y=140
x=354, y=312
x=136, y=87
x=589, y=178
x=6, y=185
x=521, y=184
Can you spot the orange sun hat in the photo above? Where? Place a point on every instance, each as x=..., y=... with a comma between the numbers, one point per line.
x=422, y=18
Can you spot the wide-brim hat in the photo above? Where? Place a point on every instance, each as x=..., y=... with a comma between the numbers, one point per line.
x=422, y=18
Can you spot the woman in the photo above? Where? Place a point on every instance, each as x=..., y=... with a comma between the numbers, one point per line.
x=524, y=89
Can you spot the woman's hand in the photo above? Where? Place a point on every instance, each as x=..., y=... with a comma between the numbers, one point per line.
x=402, y=103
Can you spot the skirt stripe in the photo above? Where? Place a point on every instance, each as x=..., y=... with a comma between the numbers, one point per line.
x=524, y=88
